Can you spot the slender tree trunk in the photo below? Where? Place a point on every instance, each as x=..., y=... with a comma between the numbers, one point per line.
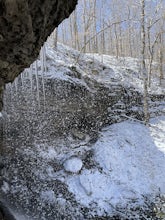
x=77, y=46
x=95, y=28
x=84, y=24
x=143, y=65
x=116, y=41
x=71, y=30
x=161, y=60
x=130, y=41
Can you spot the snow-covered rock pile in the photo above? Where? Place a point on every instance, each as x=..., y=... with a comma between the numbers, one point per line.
x=64, y=155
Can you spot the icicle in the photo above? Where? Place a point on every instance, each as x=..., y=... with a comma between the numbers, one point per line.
x=16, y=85
x=22, y=80
x=31, y=78
x=43, y=69
x=11, y=88
x=43, y=88
x=37, y=83
x=44, y=58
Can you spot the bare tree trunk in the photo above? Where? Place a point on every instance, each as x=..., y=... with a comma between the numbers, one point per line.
x=120, y=40
x=110, y=43
x=143, y=65
x=161, y=76
x=95, y=29
x=63, y=33
x=71, y=30
x=77, y=46
x=84, y=24
x=130, y=40
x=116, y=43
x=150, y=57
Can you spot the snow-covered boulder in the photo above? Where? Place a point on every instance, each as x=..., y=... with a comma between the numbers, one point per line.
x=73, y=165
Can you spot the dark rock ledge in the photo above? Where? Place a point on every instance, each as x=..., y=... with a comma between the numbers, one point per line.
x=24, y=27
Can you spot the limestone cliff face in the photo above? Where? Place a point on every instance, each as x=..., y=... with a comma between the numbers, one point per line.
x=24, y=27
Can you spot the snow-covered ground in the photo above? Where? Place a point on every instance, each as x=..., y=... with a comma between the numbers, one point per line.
x=129, y=169
x=132, y=161
x=127, y=70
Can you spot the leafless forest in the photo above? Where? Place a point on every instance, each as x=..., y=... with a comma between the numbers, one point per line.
x=120, y=28
x=115, y=28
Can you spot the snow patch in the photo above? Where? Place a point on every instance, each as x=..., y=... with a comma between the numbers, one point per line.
x=5, y=187
x=157, y=129
x=131, y=165
x=73, y=165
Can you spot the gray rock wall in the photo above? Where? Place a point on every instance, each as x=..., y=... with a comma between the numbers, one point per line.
x=70, y=106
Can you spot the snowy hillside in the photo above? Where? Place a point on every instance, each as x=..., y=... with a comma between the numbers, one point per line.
x=104, y=68
x=132, y=164
x=64, y=157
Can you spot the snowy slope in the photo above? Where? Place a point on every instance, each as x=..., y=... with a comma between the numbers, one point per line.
x=103, y=68
x=132, y=161
x=128, y=172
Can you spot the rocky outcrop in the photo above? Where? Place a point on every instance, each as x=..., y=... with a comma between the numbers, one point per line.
x=24, y=27
x=69, y=108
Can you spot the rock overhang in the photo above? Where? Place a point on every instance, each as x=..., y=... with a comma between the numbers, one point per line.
x=24, y=27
